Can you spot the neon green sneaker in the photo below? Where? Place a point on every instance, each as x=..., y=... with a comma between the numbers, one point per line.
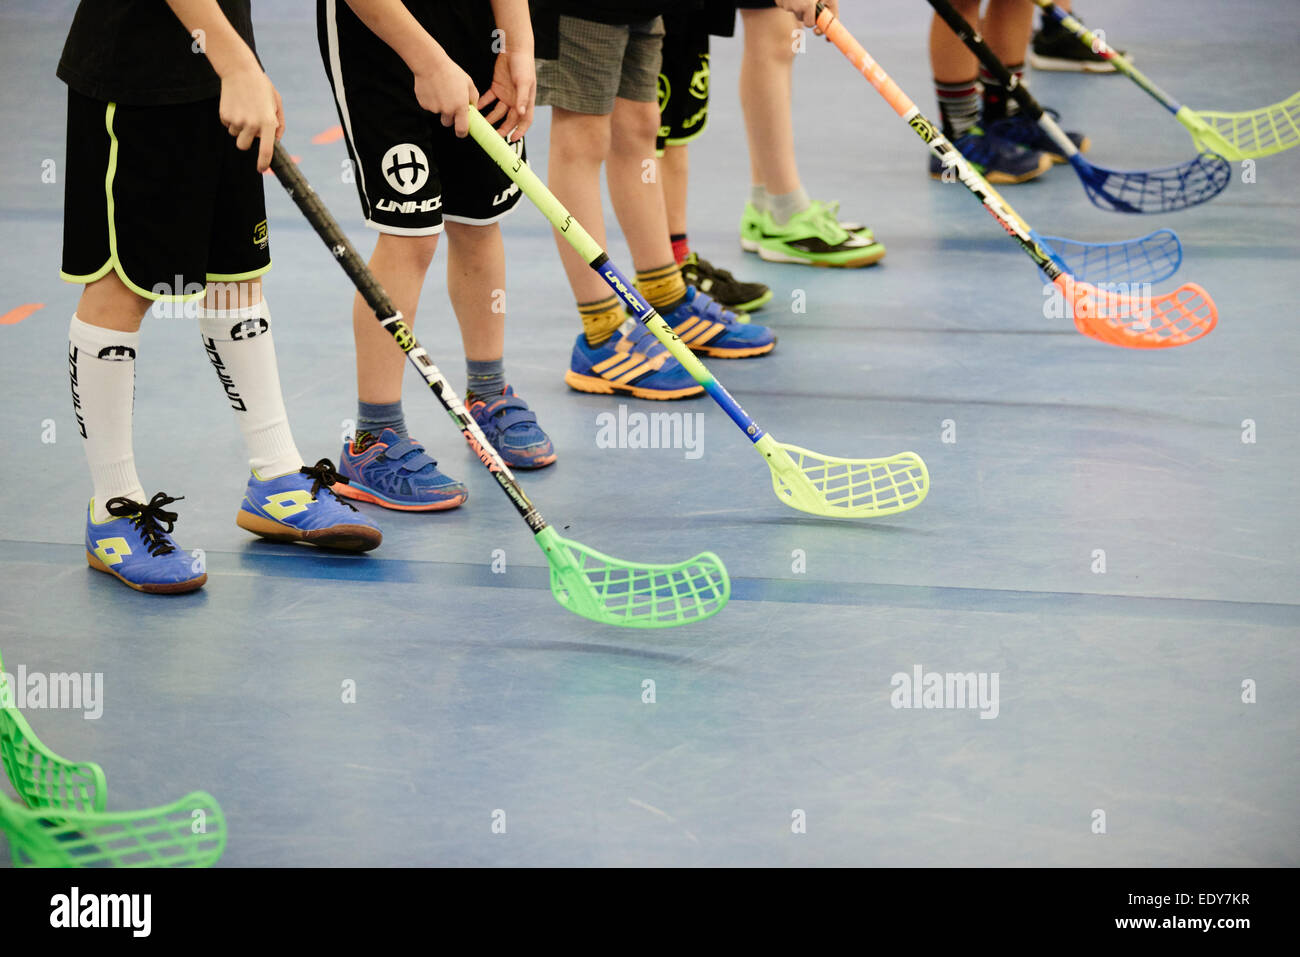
x=750, y=231
x=812, y=238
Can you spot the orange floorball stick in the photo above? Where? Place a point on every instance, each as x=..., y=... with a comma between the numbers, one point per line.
x=1133, y=321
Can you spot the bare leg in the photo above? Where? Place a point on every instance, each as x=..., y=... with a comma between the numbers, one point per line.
x=109, y=304
x=399, y=263
x=1007, y=27
x=766, y=80
x=674, y=174
x=950, y=61
x=634, y=187
x=579, y=145
x=476, y=282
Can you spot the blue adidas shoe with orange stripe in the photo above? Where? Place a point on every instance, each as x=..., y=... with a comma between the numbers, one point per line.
x=397, y=473
x=135, y=546
x=633, y=362
x=707, y=328
x=512, y=429
x=304, y=506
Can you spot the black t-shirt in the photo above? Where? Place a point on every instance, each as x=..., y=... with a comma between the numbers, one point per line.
x=137, y=52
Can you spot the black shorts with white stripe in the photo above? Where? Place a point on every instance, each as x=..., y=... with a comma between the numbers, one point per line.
x=411, y=172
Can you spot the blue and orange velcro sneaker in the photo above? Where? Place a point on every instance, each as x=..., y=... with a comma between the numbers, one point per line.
x=303, y=506
x=512, y=429
x=705, y=327
x=632, y=362
x=397, y=473
x=135, y=546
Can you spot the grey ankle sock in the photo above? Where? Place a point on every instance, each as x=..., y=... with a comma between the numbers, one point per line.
x=758, y=198
x=485, y=380
x=374, y=417
x=785, y=205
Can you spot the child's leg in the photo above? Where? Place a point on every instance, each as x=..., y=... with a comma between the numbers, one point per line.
x=766, y=78
x=674, y=174
x=235, y=327
x=400, y=264
x=634, y=187
x=102, y=342
x=580, y=143
x=950, y=61
x=1007, y=27
x=476, y=282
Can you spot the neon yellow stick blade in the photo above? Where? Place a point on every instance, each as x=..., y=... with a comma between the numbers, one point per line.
x=845, y=488
x=1248, y=135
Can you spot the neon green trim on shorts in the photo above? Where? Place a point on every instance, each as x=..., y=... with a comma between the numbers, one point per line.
x=239, y=276
x=114, y=262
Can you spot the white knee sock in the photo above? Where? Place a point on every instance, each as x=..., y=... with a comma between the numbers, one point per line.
x=101, y=365
x=239, y=345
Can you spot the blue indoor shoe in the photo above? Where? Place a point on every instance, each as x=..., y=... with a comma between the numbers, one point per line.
x=135, y=546
x=303, y=506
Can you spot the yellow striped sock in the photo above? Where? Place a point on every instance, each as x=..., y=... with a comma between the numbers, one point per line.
x=664, y=288
x=601, y=318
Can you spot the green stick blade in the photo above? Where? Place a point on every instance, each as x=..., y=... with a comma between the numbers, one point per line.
x=633, y=594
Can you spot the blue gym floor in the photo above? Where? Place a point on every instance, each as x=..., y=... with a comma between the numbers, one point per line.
x=476, y=693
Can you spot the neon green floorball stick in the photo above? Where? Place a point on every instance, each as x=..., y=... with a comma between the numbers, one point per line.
x=1248, y=134
x=809, y=481
x=62, y=822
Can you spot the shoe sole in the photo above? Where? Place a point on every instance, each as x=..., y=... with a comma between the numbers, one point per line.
x=752, y=306
x=749, y=245
x=598, y=386
x=1059, y=159
x=359, y=493
x=1051, y=64
x=531, y=463
x=871, y=256
x=344, y=538
x=170, y=588
x=725, y=353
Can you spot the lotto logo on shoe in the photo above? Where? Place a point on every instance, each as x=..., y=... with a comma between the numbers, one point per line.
x=111, y=551
x=406, y=168
x=283, y=504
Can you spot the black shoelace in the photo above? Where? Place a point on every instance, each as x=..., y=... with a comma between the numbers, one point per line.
x=152, y=520
x=323, y=476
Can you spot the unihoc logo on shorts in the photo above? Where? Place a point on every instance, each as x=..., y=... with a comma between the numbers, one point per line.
x=406, y=168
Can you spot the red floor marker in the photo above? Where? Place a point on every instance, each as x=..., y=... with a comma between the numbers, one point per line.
x=330, y=135
x=15, y=316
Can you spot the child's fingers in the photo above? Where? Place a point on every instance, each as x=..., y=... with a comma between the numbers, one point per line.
x=266, y=147
x=485, y=99
x=462, y=120
x=498, y=111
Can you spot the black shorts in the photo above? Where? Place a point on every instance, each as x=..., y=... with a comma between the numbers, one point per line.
x=411, y=171
x=683, y=81
x=161, y=195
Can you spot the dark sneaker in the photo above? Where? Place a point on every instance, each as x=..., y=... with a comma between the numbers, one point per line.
x=723, y=287
x=1056, y=49
x=996, y=159
x=1023, y=131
